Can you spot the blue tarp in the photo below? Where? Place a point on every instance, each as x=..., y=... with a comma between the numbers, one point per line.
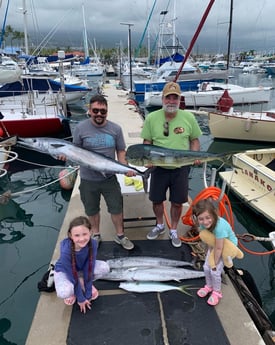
x=11, y=50
x=174, y=57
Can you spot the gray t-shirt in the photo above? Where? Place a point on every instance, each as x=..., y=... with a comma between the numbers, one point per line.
x=106, y=140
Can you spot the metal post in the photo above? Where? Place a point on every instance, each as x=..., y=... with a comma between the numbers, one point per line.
x=61, y=57
x=130, y=54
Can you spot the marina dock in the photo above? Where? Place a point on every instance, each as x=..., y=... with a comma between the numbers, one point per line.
x=124, y=318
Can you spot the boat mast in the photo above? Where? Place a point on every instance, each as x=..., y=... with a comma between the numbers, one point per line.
x=85, y=39
x=229, y=35
x=4, y=23
x=174, y=29
x=25, y=28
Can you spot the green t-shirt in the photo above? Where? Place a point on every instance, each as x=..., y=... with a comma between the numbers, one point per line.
x=183, y=128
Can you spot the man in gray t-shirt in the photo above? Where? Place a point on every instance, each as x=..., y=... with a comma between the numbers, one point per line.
x=105, y=137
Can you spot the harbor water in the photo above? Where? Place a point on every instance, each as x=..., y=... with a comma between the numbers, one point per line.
x=31, y=219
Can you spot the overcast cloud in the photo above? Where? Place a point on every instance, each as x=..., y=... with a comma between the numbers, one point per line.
x=253, y=22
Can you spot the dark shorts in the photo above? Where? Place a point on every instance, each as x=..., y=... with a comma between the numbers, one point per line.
x=91, y=191
x=176, y=180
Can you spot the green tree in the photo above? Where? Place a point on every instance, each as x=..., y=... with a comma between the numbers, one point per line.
x=8, y=32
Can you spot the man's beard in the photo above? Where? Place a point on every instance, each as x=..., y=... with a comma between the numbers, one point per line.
x=171, y=108
x=99, y=120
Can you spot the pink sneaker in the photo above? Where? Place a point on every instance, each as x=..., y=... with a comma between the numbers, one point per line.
x=214, y=299
x=204, y=291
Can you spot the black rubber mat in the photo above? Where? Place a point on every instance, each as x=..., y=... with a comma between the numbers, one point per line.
x=151, y=318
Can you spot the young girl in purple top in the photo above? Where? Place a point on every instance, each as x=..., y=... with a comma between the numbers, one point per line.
x=206, y=217
x=77, y=267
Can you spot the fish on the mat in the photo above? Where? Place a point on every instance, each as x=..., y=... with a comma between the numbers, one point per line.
x=152, y=274
x=145, y=261
x=9, y=141
x=78, y=155
x=145, y=154
x=151, y=286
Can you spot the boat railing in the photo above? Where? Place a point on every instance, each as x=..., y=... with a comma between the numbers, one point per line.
x=32, y=103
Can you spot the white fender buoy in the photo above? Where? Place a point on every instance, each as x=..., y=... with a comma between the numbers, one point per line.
x=67, y=178
x=247, y=125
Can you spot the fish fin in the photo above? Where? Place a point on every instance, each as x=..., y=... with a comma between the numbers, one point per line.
x=183, y=289
x=56, y=146
x=132, y=269
x=145, y=178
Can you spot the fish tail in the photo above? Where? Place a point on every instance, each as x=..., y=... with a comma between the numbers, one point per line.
x=228, y=159
x=145, y=177
x=183, y=289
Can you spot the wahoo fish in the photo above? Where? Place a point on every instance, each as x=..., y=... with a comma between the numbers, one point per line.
x=80, y=156
x=145, y=261
x=145, y=154
x=151, y=286
x=9, y=141
x=152, y=274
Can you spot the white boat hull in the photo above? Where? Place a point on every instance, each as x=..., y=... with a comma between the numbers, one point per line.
x=252, y=181
x=243, y=125
x=248, y=95
x=194, y=99
x=9, y=75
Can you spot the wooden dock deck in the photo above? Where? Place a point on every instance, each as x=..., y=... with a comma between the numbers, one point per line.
x=52, y=321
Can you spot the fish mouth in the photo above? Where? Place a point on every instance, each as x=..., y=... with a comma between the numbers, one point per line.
x=25, y=142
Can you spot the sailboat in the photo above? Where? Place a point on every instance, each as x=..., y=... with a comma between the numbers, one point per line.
x=169, y=65
x=9, y=70
x=208, y=92
x=25, y=112
x=89, y=67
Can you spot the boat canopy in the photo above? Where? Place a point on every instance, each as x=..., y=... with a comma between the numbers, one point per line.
x=177, y=57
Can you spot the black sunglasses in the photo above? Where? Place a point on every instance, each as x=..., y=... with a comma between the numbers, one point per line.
x=101, y=111
x=166, y=129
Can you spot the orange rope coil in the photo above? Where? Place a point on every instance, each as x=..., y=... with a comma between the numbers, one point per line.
x=224, y=210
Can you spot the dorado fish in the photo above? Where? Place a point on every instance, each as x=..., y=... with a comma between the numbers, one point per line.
x=151, y=286
x=152, y=274
x=145, y=154
x=145, y=261
x=80, y=156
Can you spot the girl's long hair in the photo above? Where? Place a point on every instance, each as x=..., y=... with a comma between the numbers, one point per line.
x=203, y=206
x=81, y=220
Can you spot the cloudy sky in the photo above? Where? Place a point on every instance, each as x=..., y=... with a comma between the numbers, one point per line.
x=253, y=22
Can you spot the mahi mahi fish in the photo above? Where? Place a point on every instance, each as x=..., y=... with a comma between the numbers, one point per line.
x=151, y=286
x=78, y=155
x=145, y=261
x=145, y=154
x=152, y=274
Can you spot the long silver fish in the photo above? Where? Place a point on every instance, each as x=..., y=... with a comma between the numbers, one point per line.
x=80, y=156
x=145, y=261
x=151, y=286
x=152, y=274
x=9, y=141
x=143, y=154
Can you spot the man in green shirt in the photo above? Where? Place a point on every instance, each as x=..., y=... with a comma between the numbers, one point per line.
x=172, y=128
